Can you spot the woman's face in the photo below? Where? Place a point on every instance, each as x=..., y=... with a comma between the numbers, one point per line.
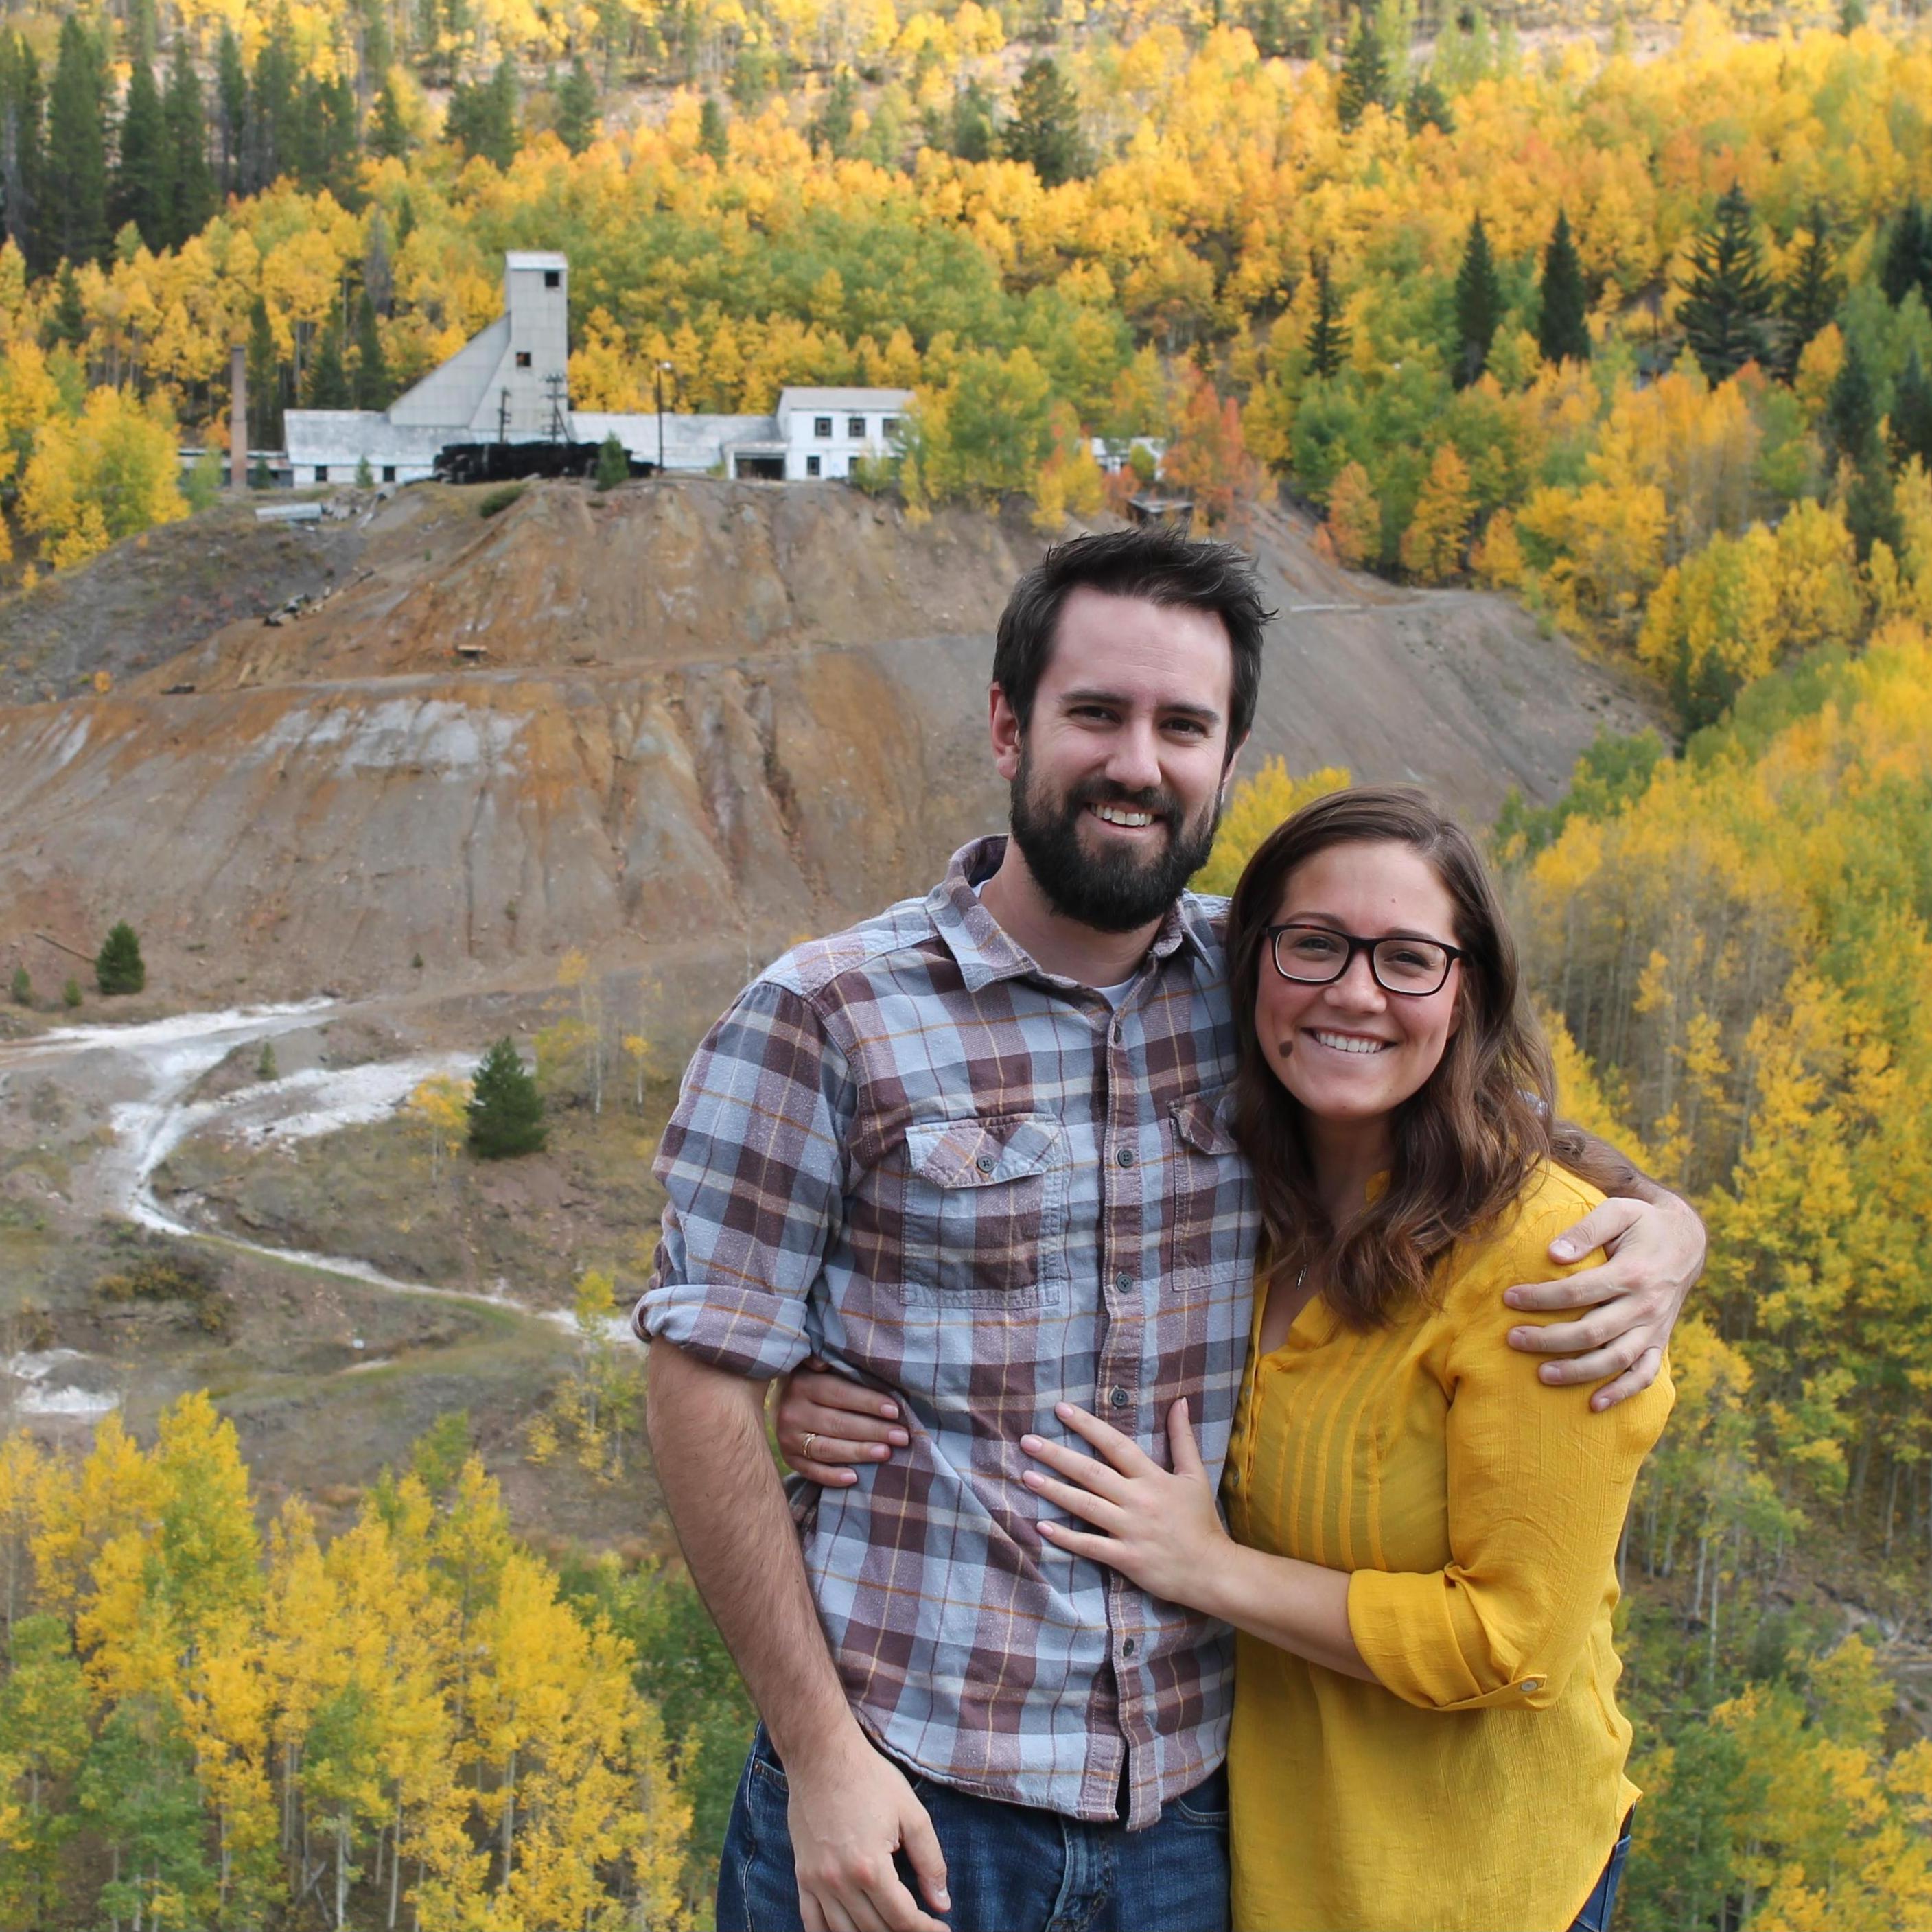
x=1349, y=1051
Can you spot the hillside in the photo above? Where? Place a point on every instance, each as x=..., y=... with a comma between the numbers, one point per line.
x=705, y=716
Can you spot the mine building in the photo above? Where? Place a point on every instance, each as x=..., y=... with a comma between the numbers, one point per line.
x=511, y=384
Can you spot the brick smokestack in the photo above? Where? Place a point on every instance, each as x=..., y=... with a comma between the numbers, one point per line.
x=237, y=418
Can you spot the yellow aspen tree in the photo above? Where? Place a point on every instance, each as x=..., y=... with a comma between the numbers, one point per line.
x=1259, y=804
x=24, y=1481
x=208, y=1541
x=117, y=1491
x=224, y=1700
x=1497, y=558
x=1432, y=546
x=440, y=1108
x=301, y=1663
x=1355, y=519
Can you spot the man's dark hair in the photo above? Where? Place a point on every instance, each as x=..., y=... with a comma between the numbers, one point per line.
x=1148, y=561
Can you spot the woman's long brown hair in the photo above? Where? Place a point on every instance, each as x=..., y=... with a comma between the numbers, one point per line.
x=1465, y=1144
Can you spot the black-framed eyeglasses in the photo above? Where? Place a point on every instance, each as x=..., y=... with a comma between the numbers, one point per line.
x=1318, y=955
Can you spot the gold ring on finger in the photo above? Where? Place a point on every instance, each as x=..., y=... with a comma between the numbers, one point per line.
x=811, y=1437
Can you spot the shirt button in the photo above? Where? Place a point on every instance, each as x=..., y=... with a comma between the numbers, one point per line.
x=1125, y=1156
x=985, y=1163
x=1128, y=1648
x=1532, y=1683
x=1123, y=1281
x=1118, y=1398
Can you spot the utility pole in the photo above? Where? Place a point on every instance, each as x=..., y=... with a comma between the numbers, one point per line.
x=662, y=366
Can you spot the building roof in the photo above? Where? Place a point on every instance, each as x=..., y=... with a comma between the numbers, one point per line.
x=350, y=436
x=684, y=435
x=842, y=399
x=449, y=396
x=535, y=258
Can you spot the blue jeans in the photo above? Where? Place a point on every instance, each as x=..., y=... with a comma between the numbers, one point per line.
x=1595, y=1915
x=1008, y=1868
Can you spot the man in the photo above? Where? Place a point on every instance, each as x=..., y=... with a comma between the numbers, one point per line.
x=975, y=1152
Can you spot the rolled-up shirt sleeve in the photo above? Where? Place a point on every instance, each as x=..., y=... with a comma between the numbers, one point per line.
x=753, y=1164
x=1538, y=1486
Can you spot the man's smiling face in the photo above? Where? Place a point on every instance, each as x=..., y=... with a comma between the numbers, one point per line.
x=1117, y=779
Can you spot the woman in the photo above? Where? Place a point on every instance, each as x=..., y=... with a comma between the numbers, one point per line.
x=1419, y=1554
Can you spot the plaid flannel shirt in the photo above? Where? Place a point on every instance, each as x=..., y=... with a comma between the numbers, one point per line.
x=983, y=1190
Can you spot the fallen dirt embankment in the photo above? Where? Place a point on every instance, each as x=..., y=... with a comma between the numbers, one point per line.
x=689, y=720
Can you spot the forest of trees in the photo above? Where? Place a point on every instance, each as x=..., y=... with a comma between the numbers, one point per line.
x=417, y=1726
x=1643, y=338
x=1430, y=287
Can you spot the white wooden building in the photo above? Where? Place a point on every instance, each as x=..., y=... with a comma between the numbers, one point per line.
x=511, y=384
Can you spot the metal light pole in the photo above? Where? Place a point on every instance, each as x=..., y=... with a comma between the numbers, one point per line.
x=662, y=367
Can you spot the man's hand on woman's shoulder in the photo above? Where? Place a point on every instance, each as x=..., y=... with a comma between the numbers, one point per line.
x=1654, y=1255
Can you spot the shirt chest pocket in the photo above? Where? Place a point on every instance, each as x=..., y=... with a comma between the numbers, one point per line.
x=984, y=1213
x=1210, y=1219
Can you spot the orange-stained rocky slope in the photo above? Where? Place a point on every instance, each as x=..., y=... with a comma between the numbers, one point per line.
x=684, y=721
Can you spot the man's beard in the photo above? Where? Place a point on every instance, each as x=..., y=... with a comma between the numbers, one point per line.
x=1122, y=888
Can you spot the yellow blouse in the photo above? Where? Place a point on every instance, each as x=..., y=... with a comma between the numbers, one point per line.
x=1480, y=1784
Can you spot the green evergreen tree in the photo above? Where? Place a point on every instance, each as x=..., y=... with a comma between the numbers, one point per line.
x=1851, y=411
x=269, y=126
x=1908, y=256
x=973, y=135
x=712, y=134
x=264, y=380
x=378, y=277
x=1810, y=293
x=190, y=180
x=231, y=95
x=1044, y=130
x=1365, y=75
x=23, y=987
x=483, y=119
x=372, y=389
x=1563, y=327
x=1852, y=418
x=1328, y=334
x=1727, y=307
x=505, y=1109
x=379, y=46
x=68, y=326
x=499, y=123
x=143, y=187
x=70, y=993
x=389, y=134
x=266, y=1068
x=76, y=222
x=23, y=125
x=1912, y=414
x=577, y=108
x=325, y=380
x=1427, y=106
x=1269, y=24
x=613, y=463
x=1479, y=307
x=118, y=967
x=831, y=127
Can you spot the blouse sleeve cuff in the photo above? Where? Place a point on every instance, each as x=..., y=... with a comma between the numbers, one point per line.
x=1402, y=1625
